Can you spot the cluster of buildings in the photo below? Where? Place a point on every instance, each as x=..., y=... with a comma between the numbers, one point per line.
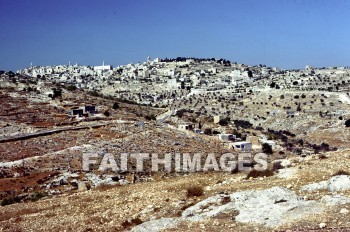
x=156, y=82
x=208, y=87
x=86, y=111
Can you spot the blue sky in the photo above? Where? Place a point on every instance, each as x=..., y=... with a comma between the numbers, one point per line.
x=280, y=33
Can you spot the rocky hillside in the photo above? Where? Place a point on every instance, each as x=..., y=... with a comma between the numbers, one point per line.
x=306, y=193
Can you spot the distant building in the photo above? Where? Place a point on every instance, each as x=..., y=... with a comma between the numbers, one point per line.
x=185, y=127
x=217, y=118
x=76, y=112
x=83, y=111
x=103, y=67
x=227, y=137
x=308, y=67
x=90, y=109
x=241, y=146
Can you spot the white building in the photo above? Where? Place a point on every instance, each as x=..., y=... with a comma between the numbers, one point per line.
x=185, y=127
x=227, y=137
x=103, y=67
x=241, y=146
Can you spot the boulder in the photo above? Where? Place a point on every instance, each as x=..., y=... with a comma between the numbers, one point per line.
x=339, y=183
x=156, y=225
x=271, y=207
x=335, y=200
x=315, y=186
x=334, y=184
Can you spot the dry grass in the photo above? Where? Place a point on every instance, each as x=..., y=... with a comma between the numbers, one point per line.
x=6, y=215
x=104, y=187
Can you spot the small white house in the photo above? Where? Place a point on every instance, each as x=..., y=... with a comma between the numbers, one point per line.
x=227, y=137
x=185, y=127
x=241, y=146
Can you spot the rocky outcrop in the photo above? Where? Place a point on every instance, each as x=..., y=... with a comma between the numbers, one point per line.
x=334, y=184
x=335, y=200
x=156, y=225
x=271, y=207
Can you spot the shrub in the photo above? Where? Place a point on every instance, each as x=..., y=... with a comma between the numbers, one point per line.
x=106, y=113
x=9, y=200
x=225, y=199
x=132, y=222
x=298, y=151
x=224, y=122
x=71, y=88
x=322, y=156
x=255, y=173
x=347, y=123
x=37, y=196
x=298, y=108
x=300, y=142
x=341, y=172
x=266, y=148
x=208, y=131
x=56, y=93
x=195, y=191
x=94, y=94
x=136, y=221
x=150, y=117
x=242, y=123
x=104, y=187
x=115, y=105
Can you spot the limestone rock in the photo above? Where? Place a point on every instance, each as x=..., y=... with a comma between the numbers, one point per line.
x=156, y=225
x=339, y=183
x=335, y=200
x=334, y=184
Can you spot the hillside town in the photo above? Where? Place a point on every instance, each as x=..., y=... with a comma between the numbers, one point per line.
x=213, y=87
